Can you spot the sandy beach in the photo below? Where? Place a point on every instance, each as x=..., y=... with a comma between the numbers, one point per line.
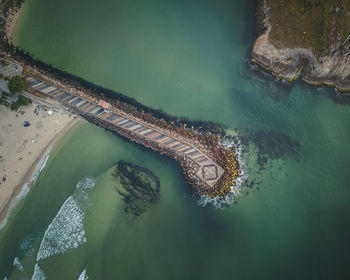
x=22, y=148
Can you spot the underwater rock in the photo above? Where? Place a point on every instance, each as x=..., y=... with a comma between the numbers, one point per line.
x=271, y=145
x=138, y=187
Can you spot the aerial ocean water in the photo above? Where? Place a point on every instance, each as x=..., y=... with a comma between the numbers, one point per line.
x=109, y=209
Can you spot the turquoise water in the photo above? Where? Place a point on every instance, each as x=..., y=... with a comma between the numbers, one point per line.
x=189, y=59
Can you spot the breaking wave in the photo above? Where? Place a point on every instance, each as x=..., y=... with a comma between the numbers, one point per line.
x=66, y=231
x=26, y=246
x=38, y=273
x=222, y=202
x=25, y=189
x=17, y=263
x=86, y=183
x=83, y=275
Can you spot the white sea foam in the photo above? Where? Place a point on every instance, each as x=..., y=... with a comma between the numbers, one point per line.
x=66, y=231
x=221, y=202
x=38, y=273
x=25, y=189
x=14, y=203
x=83, y=275
x=26, y=246
x=40, y=166
x=86, y=183
x=17, y=263
x=81, y=195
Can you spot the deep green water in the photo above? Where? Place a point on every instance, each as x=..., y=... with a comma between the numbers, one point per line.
x=190, y=59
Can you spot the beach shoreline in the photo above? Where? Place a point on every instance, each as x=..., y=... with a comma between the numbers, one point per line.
x=21, y=171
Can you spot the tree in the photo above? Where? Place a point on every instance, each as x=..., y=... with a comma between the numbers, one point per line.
x=21, y=101
x=3, y=61
x=17, y=84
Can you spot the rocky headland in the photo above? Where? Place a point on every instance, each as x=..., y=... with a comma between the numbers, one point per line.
x=292, y=43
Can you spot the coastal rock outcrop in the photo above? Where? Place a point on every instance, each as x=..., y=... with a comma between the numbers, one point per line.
x=332, y=67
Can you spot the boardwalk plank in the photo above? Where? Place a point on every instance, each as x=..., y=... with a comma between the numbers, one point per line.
x=63, y=95
x=150, y=133
x=113, y=117
x=76, y=101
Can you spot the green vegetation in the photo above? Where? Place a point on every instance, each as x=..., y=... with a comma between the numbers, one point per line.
x=17, y=84
x=314, y=24
x=21, y=101
x=2, y=99
x=3, y=4
x=5, y=94
x=3, y=62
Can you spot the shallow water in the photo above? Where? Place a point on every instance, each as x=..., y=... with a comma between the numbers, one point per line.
x=189, y=59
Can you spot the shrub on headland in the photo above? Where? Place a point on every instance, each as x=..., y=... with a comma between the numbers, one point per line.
x=314, y=24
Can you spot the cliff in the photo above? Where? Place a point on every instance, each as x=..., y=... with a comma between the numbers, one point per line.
x=308, y=37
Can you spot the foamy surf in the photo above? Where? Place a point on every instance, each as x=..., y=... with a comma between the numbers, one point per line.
x=66, y=231
x=14, y=203
x=27, y=243
x=38, y=273
x=86, y=183
x=83, y=275
x=25, y=189
x=17, y=263
x=221, y=202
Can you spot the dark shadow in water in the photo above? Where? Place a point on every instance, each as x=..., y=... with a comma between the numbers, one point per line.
x=341, y=98
x=267, y=146
x=272, y=87
x=279, y=90
x=270, y=144
x=138, y=187
x=250, y=29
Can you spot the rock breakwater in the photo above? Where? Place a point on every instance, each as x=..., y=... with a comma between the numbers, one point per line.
x=207, y=165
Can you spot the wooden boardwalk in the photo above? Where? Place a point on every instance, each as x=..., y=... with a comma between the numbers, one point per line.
x=207, y=170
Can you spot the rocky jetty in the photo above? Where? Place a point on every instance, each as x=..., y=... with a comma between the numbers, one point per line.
x=208, y=143
x=205, y=136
